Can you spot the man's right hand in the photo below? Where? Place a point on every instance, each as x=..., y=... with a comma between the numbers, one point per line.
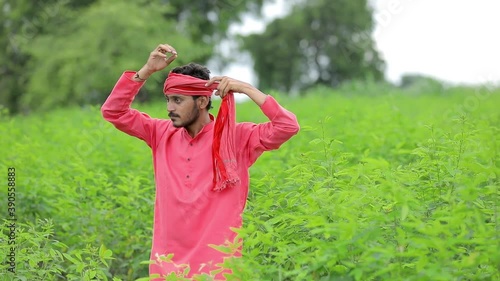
x=158, y=59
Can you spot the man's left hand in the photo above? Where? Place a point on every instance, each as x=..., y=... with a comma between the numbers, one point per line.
x=227, y=84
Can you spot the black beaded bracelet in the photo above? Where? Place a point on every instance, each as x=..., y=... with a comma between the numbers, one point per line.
x=136, y=76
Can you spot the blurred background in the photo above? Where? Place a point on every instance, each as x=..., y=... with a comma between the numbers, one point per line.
x=70, y=52
x=449, y=40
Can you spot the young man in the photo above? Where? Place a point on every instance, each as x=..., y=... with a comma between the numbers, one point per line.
x=200, y=164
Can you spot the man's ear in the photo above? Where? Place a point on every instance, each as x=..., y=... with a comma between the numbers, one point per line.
x=202, y=102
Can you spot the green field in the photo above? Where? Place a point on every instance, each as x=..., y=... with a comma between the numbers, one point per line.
x=380, y=184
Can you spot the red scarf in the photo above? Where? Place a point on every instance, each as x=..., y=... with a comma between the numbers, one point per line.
x=223, y=148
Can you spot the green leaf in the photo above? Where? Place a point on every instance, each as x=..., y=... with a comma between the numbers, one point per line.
x=223, y=249
x=70, y=258
x=404, y=212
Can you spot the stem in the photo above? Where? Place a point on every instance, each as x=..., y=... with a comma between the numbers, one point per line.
x=460, y=151
x=435, y=161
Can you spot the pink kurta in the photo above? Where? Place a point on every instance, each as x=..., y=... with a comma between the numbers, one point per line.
x=188, y=215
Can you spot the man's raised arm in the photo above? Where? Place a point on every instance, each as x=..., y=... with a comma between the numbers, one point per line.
x=116, y=109
x=260, y=137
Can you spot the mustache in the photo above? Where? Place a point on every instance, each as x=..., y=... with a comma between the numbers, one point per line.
x=173, y=115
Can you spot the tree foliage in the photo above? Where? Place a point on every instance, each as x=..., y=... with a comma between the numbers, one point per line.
x=318, y=42
x=62, y=52
x=418, y=83
x=93, y=50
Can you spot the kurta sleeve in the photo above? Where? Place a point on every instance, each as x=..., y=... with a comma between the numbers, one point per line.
x=271, y=135
x=116, y=109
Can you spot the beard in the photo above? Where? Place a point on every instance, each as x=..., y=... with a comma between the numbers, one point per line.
x=195, y=113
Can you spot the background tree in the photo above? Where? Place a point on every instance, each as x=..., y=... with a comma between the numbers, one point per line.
x=21, y=22
x=420, y=84
x=318, y=42
x=62, y=52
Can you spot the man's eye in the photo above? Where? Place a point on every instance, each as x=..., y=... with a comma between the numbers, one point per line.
x=177, y=100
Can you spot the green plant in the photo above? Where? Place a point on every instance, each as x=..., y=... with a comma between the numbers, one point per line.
x=37, y=255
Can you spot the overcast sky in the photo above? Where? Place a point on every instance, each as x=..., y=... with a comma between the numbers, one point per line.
x=456, y=41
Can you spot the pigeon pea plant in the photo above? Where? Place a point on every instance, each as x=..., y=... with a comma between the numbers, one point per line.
x=379, y=186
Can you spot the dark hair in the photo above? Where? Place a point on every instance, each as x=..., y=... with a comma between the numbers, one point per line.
x=193, y=69
x=198, y=71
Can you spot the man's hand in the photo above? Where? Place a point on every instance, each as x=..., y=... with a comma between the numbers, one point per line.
x=227, y=84
x=158, y=59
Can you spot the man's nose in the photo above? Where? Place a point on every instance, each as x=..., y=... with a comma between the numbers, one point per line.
x=170, y=107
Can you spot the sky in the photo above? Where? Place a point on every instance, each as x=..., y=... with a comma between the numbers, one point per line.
x=456, y=41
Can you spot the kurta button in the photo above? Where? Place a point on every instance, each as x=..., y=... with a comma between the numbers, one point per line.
x=187, y=176
x=189, y=159
x=191, y=144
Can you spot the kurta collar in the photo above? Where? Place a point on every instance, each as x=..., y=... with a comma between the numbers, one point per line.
x=207, y=128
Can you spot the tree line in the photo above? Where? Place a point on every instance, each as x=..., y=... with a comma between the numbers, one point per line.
x=70, y=52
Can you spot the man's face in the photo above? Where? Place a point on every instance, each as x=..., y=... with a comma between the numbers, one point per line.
x=182, y=110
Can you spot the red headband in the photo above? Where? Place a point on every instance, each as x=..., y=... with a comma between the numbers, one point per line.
x=187, y=85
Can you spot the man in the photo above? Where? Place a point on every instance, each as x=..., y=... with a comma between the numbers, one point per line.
x=201, y=166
